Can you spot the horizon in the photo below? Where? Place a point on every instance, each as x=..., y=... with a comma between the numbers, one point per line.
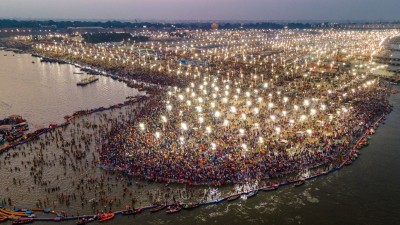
x=194, y=11
x=344, y=21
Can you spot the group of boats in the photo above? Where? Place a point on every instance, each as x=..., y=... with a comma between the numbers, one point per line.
x=132, y=211
x=170, y=209
x=19, y=217
x=50, y=60
x=87, y=81
x=175, y=208
x=12, y=128
x=252, y=193
x=23, y=221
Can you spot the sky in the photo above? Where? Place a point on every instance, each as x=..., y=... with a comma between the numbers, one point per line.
x=265, y=10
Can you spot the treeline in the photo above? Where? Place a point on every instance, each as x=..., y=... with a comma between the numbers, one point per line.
x=5, y=23
x=105, y=37
x=112, y=37
x=265, y=25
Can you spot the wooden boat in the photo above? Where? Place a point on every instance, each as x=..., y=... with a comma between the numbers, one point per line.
x=92, y=219
x=132, y=211
x=46, y=210
x=137, y=210
x=127, y=212
x=270, y=188
x=22, y=221
x=82, y=221
x=299, y=183
x=88, y=80
x=21, y=214
x=158, y=208
x=174, y=209
x=106, y=216
x=191, y=205
x=233, y=197
x=57, y=219
x=2, y=219
x=252, y=193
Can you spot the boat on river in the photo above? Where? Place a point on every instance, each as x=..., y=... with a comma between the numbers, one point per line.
x=132, y=211
x=137, y=210
x=46, y=210
x=22, y=221
x=191, y=205
x=127, y=212
x=174, y=209
x=270, y=188
x=158, y=208
x=106, y=216
x=84, y=221
x=10, y=213
x=252, y=193
x=299, y=183
x=233, y=197
x=87, y=81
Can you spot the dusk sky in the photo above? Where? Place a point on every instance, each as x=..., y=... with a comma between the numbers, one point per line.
x=203, y=9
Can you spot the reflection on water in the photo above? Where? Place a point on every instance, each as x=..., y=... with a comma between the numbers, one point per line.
x=43, y=93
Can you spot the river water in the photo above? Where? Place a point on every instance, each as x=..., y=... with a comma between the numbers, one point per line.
x=43, y=93
x=367, y=192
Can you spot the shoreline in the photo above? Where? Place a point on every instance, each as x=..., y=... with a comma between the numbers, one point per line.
x=149, y=88
x=68, y=119
x=32, y=135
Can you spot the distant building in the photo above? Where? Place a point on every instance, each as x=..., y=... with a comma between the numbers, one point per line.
x=16, y=30
x=85, y=29
x=394, y=63
x=49, y=28
x=214, y=26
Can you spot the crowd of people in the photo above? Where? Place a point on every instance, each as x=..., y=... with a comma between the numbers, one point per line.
x=258, y=133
